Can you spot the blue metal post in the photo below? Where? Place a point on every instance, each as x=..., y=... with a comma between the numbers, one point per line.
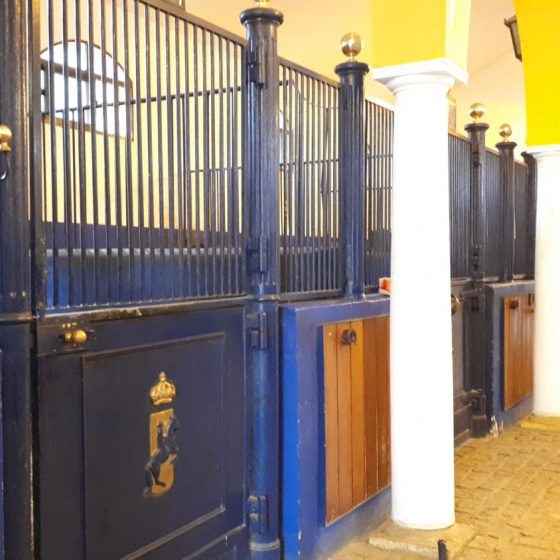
x=507, y=186
x=352, y=143
x=261, y=185
x=18, y=38
x=477, y=137
x=531, y=211
x=475, y=323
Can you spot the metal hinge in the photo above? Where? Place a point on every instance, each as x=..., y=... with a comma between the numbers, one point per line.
x=257, y=255
x=477, y=400
x=475, y=256
x=475, y=299
x=258, y=330
x=257, y=508
x=255, y=67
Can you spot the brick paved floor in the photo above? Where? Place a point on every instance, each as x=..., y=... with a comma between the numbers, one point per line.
x=508, y=489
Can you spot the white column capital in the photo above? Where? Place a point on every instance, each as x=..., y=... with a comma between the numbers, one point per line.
x=550, y=151
x=437, y=72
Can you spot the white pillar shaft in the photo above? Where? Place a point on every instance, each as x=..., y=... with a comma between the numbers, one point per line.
x=421, y=349
x=547, y=285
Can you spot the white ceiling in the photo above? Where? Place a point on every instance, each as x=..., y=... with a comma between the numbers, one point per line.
x=489, y=37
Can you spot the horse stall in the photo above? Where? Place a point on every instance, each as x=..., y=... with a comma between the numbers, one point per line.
x=194, y=349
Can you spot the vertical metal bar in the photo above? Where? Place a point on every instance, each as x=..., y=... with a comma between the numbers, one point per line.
x=231, y=92
x=238, y=222
x=188, y=176
x=301, y=223
x=167, y=287
x=329, y=194
x=161, y=207
x=140, y=150
x=66, y=141
x=313, y=184
x=51, y=17
x=212, y=141
x=182, y=133
x=292, y=97
x=81, y=158
x=132, y=287
x=206, y=139
x=150, y=143
x=284, y=263
x=95, y=289
x=222, y=184
x=106, y=155
x=197, y=137
x=118, y=175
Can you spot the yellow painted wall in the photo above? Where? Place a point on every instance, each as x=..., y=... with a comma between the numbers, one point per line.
x=311, y=31
x=412, y=31
x=539, y=26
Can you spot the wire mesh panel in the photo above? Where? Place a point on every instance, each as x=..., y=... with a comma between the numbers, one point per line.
x=142, y=127
x=459, y=208
x=521, y=261
x=379, y=181
x=494, y=218
x=308, y=181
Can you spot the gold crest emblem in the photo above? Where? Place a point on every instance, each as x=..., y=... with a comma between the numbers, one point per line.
x=164, y=451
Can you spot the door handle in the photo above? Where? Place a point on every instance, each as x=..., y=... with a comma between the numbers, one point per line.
x=349, y=337
x=5, y=137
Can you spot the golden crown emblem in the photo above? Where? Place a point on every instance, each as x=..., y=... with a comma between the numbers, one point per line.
x=163, y=391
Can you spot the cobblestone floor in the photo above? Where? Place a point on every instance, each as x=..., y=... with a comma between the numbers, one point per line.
x=508, y=490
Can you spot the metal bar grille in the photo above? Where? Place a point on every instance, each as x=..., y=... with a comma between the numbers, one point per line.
x=379, y=182
x=493, y=210
x=521, y=266
x=142, y=123
x=459, y=208
x=308, y=181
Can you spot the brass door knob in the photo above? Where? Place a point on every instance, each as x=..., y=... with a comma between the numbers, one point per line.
x=5, y=137
x=78, y=336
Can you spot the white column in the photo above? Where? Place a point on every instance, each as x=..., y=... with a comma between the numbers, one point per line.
x=547, y=283
x=422, y=441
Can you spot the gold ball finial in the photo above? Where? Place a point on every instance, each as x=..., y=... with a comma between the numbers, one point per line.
x=505, y=132
x=262, y=3
x=477, y=111
x=351, y=45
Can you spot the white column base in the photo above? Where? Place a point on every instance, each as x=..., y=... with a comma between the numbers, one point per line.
x=546, y=400
x=422, y=439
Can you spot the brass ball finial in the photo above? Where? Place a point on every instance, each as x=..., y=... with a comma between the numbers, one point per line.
x=477, y=111
x=262, y=3
x=505, y=132
x=351, y=45
x=5, y=137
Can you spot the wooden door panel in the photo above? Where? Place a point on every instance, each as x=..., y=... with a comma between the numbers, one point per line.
x=331, y=422
x=518, y=349
x=358, y=415
x=356, y=378
x=345, y=467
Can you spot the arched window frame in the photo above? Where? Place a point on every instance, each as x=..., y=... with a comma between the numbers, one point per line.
x=67, y=78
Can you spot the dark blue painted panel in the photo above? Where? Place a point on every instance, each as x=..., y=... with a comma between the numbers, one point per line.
x=94, y=438
x=304, y=532
x=495, y=294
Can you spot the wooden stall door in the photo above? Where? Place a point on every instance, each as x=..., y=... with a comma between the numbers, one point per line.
x=356, y=377
x=518, y=348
